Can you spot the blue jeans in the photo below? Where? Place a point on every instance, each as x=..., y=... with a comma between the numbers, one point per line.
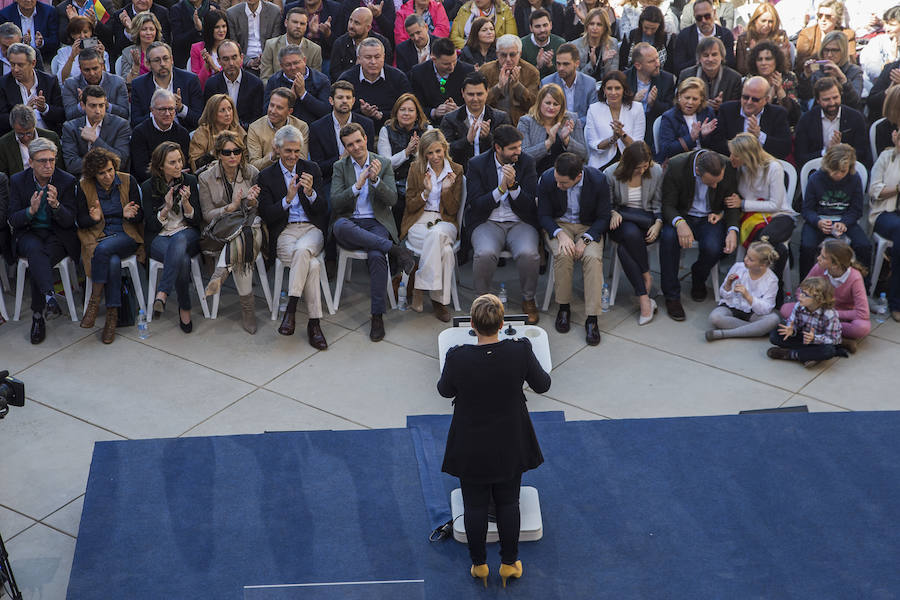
x=106, y=265
x=175, y=252
x=371, y=236
x=711, y=239
x=811, y=236
x=887, y=225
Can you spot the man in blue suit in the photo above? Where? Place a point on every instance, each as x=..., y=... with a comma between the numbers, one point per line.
x=163, y=74
x=245, y=88
x=501, y=213
x=753, y=114
x=843, y=123
x=323, y=134
x=580, y=89
x=652, y=87
x=39, y=25
x=574, y=210
x=311, y=87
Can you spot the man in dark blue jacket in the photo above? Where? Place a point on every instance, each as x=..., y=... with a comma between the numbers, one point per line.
x=755, y=115
x=309, y=86
x=163, y=74
x=249, y=95
x=574, y=210
x=705, y=24
x=842, y=124
x=377, y=84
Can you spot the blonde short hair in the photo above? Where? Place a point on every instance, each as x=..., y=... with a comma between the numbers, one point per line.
x=839, y=157
x=487, y=314
x=764, y=251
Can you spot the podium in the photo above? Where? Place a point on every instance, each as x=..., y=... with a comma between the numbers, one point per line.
x=514, y=327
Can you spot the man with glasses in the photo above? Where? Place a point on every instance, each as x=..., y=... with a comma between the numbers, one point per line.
x=93, y=73
x=438, y=82
x=163, y=75
x=377, y=84
x=309, y=86
x=512, y=83
x=35, y=89
x=245, y=88
x=95, y=129
x=11, y=34
x=705, y=26
x=160, y=127
x=42, y=214
x=753, y=114
x=14, y=145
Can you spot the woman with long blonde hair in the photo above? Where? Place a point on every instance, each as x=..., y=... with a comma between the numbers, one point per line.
x=219, y=114
x=431, y=220
x=597, y=49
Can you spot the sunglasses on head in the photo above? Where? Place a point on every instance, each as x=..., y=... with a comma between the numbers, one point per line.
x=750, y=98
x=703, y=17
x=234, y=152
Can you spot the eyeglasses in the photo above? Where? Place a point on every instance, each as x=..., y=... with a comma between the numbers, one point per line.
x=25, y=136
x=824, y=16
x=750, y=98
x=803, y=294
x=161, y=59
x=831, y=50
x=703, y=17
x=231, y=152
x=164, y=109
x=43, y=161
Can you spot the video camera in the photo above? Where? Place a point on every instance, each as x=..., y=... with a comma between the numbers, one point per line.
x=12, y=393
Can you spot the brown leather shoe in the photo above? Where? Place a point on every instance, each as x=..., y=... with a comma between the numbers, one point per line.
x=316, y=337
x=592, y=333
x=675, y=309
x=440, y=311
x=287, y=323
x=109, y=327
x=563, y=320
x=531, y=309
x=90, y=313
x=376, y=333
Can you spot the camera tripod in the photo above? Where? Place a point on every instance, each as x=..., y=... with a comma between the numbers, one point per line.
x=7, y=581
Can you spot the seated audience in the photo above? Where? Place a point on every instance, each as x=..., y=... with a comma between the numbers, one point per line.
x=653, y=88
x=205, y=53
x=244, y=88
x=884, y=217
x=469, y=129
x=573, y=208
x=523, y=11
x=549, y=129
x=123, y=32
x=833, y=205
x=186, y=21
x=399, y=141
x=755, y=115
x=636, y=220
x=11, y=34
x=43, y=226
x=812, y=331
x=597, y=48
x=65, y=63
x=705, y=26
x=415, y=49
x=377, y=84
x=296, y=22
x=219, y=115
x=250, y=24
x=110, y=227
x=580, y=89
x=325, y=143
x=327, y=22
x=764, y=26
x=481, y=45
x=228, y=186
x=383, y=18
x=35, y=89
x=613, y=123
x=684, y=125
x=260, y=148
x=362, y=194
x=512, y=82
x=346, y=47
x=172, y=221
x=501, y=213
x=723, y=84
x=438, y=82
x=431, y=220
x=575, y=14
x=14, y=155
x=160, y=127
x=431, y=11
x=163, y=75
x=497, y=11
x=767, y=60
x=96, y=129
x=310, y=87
x=833, y=62
x=651, y=29
x=829, y=16
x=93, y=73
x=829, y=123
x=145, y=29
x=539, y=48
x=38, y=22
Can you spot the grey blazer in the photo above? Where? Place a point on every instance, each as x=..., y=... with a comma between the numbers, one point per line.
x=269, y=25
x=115, y=136
x=382, y=197
x=651, y=189
x=116, y=94
x=535, y=135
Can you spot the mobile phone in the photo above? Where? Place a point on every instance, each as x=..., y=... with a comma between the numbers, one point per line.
x=90, y=42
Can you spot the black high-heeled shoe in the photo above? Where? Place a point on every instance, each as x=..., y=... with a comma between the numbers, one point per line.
x=186, y=327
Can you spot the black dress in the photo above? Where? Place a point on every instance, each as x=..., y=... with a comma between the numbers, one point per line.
x=491, y=437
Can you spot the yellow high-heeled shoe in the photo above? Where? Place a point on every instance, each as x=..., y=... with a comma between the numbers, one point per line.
x=481, y=572
x=507, y=571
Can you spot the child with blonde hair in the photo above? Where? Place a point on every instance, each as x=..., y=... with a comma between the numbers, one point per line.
x=812, y=332
x=747, y=297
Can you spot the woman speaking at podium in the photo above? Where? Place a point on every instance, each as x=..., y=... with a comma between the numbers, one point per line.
x=491, y=440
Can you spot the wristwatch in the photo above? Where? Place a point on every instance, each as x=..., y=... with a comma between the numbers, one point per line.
x=586, y=240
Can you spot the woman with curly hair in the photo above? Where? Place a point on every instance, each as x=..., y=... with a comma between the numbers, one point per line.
x=764, y=25
x=768, y=61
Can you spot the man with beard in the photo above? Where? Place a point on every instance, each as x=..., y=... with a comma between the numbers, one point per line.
x=165, y=76
x=326, y=146
x=539, y=48
x=295, y=24
x=827, y=124
x=344, y=51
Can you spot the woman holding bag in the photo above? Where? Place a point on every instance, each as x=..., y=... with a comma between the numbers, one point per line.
x=110, y=228
x=228, y=199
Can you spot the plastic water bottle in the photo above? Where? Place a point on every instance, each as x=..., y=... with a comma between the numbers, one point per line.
x=604, y=298
x=282, y=303
x=502, y=294
x=142, y=326
x=880, y=309
x=401, y=296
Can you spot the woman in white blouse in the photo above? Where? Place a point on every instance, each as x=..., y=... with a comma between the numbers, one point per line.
x=613, y=123
x=768, y=215
x=431, y=220
x=884, y=216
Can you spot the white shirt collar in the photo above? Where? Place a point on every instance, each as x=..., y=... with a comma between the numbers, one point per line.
x=473, y=116
x=758, y=115
x=236, y=81
x=838, y=281
x=446, y=170
x=362, y=76
x=284, y=170
x=249, y=13
x=155, y=124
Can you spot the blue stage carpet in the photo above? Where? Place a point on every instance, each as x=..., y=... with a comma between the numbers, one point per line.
x=752, y=506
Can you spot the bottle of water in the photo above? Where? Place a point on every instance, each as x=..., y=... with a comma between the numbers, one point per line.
x=604, y=298
x=282, y=303
x=142, y=326
x=880, y=309
x=502, y=294
x=401, y=296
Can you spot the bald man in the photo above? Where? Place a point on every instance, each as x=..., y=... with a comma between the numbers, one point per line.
x=343, y=53
x=754, y=114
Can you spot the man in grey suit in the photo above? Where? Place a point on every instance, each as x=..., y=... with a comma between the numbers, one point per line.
x=580, y=89
x=362, y=194
x=251, y=23
x=92, y=73
x=96, y=129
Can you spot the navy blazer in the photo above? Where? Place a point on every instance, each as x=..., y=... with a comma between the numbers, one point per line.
x=808, y=142
x=686, y=47
x=673, y=128
x=272, y=189
x=10, y=95
x=142, y=89
x=45, y=21
x=323, y=148
x=481, y=181
x=250, y=95
x=879, y=88
x=405, y=55
x=314, y=104
x=593, y=204
x=62, y=220
x=383, y=93
x=665, y=95
x=454, y=128
x=426, y=88
x=774, y=123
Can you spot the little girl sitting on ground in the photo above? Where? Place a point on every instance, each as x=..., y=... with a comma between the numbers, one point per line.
x=747, y=297
x=813, y=330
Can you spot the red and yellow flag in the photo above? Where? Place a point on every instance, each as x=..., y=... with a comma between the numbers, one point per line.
x=101, y=13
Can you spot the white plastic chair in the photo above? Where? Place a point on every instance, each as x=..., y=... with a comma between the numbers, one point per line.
x=131, y=264
x=551, y=276
x=816, y=163
x=657, y=123
x=344, y=268
x=119, y=68
x=3, y=312
x=872, y=147
x=323, y=281
x=4, y=276
x=153, y=273
x=791, y=173
x=881, y=244
x=66, y=272
x=263, y=282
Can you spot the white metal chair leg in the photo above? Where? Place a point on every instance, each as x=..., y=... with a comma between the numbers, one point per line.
x=3, y=306
x=323, y=281
x=551, y=280
x=198, y=285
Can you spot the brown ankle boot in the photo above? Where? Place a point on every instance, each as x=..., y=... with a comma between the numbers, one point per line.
x=215, y=282
x=90, y=314
x=109, y=328
x=248, y=317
